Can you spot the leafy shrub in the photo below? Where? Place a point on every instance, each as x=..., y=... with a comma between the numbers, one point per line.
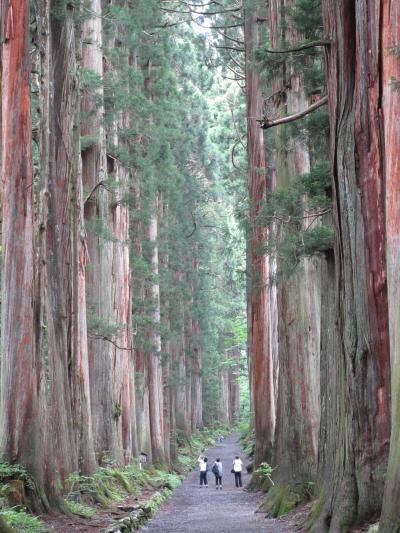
x=264, y=472
x=22, y=521
x=80, y=509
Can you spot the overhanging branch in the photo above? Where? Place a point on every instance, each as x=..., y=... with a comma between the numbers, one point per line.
x=299, y=48
x=265, y=123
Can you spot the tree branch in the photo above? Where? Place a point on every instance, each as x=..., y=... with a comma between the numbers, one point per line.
x=103, y=338
x=237, y=41
x=229, y=48
x=266, y=123
x=194, y=226
x=299, y=48
x=99, y=184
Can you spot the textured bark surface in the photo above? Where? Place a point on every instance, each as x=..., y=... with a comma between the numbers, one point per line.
x=229, y=387
x=355, y=452
x=62, y=206
x=390, y=520
x=103, y=292
x=20, y=415
x=155, y=381
x=196, y=380
x=261, y=367
x=298, y=298
x=234, y=387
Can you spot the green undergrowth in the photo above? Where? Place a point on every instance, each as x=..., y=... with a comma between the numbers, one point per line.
x=15, y=482
x=281, y=499
x=247, y=438
x=190, y=448
x=22, y=521
x=108, y=485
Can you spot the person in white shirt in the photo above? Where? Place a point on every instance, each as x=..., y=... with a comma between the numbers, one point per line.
x=237, y=470
x=203, y=467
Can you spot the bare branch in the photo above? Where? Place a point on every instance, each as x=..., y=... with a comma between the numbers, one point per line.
x=229, y=48
x=99, y=184
x=239, y=141
x=237, y=41
x=103, y=338
x=238, y=74
x=299, y=48
x=266, y=123
x=194, y=226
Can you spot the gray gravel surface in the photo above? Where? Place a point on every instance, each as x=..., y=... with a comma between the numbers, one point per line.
x=230, y=510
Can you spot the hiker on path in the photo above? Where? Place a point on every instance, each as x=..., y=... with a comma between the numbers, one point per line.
x=237, y=470
x=217, y=470
x=203, y=466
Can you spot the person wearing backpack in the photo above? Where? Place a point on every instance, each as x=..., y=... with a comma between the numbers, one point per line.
x=217, y=471
x=204, y=468
x=237, y=470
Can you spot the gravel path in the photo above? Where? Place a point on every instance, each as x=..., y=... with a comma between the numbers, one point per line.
x=231, y=510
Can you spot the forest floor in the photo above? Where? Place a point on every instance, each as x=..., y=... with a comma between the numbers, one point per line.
x=191, y=509
x=230, y=510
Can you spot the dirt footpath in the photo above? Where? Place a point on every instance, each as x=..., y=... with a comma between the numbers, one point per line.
x=192, y=509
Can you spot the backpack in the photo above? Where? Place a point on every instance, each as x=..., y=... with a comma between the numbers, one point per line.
x=215, y=469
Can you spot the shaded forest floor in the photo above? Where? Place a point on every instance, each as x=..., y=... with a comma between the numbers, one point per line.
x=231, y=510
x=192, y=509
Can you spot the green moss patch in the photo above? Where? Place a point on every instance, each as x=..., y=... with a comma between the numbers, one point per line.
x=281, y=499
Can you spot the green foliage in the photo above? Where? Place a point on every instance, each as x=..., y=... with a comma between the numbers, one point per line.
x=293, y=215
x=307, y=18
x=317, y=240
x=22, y=521
x=100, y=327
x=14, y=471
x=247, y=437
x=98, y=226
x=117, y=410
x=87, y=141
x=80, y=509
x=281, y=499
x=264, y=472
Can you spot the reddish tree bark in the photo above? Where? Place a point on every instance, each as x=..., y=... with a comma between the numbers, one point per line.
x=297, y=341
x=261, y=366
x=21, y=413
x=70, y=403
x=108, y=280
x=390, y=520
x=356, y=425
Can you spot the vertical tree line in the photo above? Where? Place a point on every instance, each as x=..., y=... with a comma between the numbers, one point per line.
x=115, y=311
x=322, y=341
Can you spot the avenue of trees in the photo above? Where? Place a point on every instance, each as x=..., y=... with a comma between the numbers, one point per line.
x=123, y=265
x=141, y=231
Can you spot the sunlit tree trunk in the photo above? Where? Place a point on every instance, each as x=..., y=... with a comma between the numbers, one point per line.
x=99, y=217
x=261, y=361
x=141, y=370
x=224, y=390
x=65, y=257
x=234, y=388
x=155, y=382
x=21, y=414
x=390, y=521
x=196, y=379
x=297, y=342
x=181, y=410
